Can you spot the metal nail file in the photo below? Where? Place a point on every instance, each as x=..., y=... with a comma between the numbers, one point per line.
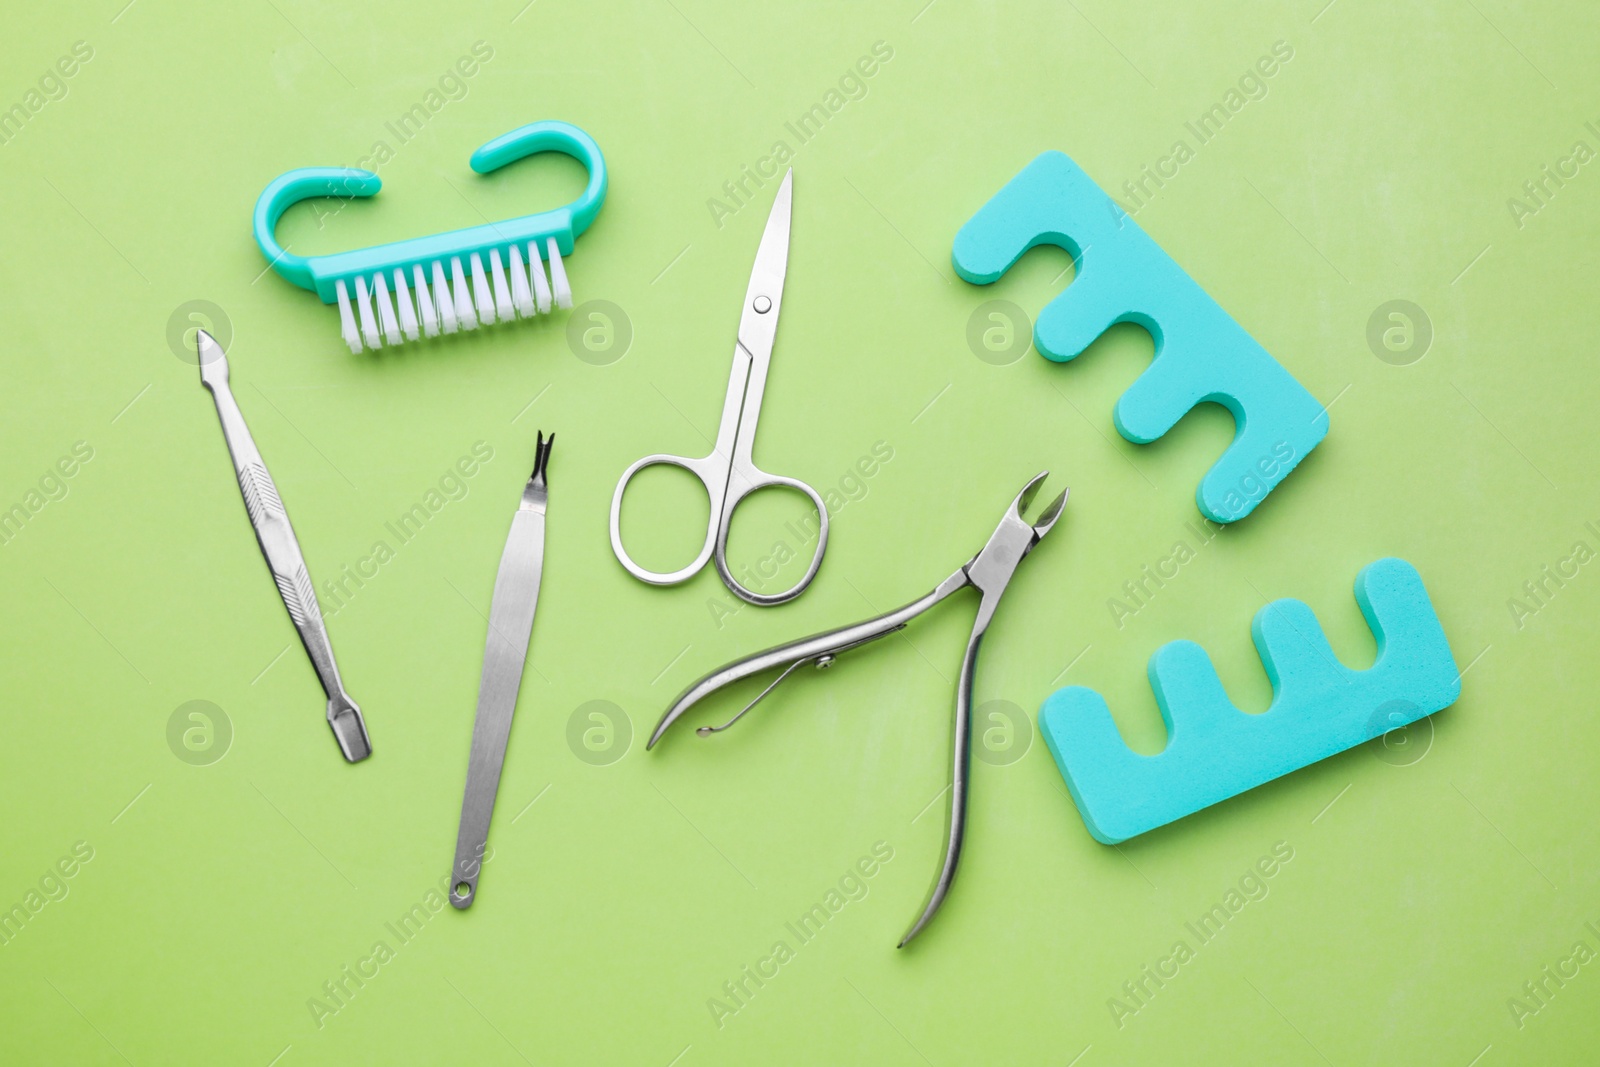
x=516, y=595
x=278, y=545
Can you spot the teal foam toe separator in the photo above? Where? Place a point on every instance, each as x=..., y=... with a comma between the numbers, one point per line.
x=1215, y=751
x=1202, y=354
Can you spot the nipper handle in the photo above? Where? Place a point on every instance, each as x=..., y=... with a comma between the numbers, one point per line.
x=819, y=648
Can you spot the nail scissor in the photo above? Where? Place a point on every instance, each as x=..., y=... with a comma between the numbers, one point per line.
x=989, y=572
x=728, y=473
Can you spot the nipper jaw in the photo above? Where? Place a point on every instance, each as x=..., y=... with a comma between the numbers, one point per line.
x=992, y=568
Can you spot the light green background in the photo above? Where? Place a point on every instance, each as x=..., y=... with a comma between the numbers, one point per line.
x=1423, y=892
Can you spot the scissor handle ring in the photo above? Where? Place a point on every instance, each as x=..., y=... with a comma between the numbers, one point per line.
x=696, y=467
x=762, y=480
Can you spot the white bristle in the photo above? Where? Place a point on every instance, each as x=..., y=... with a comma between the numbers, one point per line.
x=430, y=321
x=558, y=276
x=480, y=292
x=541, y=288
x=369, y=328
x=391, y=328
x=347, y=320
x=509, y=288
x=402, y=302
x=521, y=295
x=502, y=293
x=458, y=289
x=441, y=298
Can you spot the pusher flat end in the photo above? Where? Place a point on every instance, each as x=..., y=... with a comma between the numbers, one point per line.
x=213, y=362
x=349, y=729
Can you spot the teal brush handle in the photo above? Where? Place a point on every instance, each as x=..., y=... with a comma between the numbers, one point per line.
x=321, y=274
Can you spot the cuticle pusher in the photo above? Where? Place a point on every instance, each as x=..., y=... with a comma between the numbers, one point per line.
x=276, y=537
x=511, y=610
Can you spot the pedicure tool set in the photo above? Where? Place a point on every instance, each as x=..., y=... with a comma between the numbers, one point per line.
x=517, y=269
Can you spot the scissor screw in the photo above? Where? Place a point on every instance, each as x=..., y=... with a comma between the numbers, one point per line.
x=825, y=661
x=763, y=305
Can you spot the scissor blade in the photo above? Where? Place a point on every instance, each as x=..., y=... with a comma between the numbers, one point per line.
x=758, y=327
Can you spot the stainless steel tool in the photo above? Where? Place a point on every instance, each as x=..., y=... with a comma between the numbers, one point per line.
x=989, y=572
x=516, y=595
x=278, y=545
x=729, y=474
